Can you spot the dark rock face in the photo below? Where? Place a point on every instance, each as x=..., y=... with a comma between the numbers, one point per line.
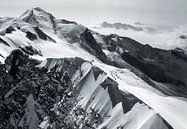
x=10, y=29
x=15, y=62
x=68, y=22
x=91, y=45
x=31, y=36
x=29, y=50
x=179, y=53
x=1, y=56
x=3, y=41
x=183, y=37
x=117, y=96
x=42, y=35
x=31, y=86
x=160, y=65
x=97, y=72
x=151, y=70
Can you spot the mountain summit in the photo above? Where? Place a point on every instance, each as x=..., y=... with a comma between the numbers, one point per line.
x=56, y=73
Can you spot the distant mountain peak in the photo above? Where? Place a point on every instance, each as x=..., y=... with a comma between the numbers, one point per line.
x=38, y=9
x=35, y=12
x=120, y=25
x=39, y=17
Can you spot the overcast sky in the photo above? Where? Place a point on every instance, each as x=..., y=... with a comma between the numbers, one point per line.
x=92, y=11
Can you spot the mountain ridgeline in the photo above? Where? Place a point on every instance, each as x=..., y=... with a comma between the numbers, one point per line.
x=56, y=73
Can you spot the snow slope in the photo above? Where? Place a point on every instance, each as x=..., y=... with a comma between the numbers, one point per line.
x=57, y=39
x=170, y=108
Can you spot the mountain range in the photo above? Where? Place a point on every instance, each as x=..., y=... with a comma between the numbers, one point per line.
x=59, y=74
x=158, y=36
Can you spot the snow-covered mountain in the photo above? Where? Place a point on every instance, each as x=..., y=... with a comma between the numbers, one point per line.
x=56, y=73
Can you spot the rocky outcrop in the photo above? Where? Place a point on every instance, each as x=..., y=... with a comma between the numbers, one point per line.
x=10, y=29
x=42, y=35
x=31, y=36
x=91, y=45
x=57, y=93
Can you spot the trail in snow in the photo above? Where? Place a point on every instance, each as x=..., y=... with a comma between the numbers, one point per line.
x=172, y=109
